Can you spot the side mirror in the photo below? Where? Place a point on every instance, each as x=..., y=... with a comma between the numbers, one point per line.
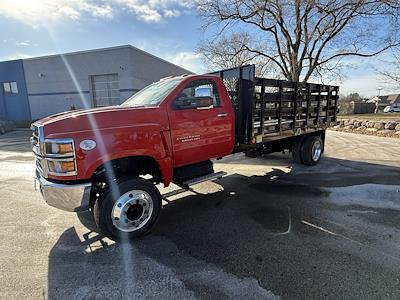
x=203, y=92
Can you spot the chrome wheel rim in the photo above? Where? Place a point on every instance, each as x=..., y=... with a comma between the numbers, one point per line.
x=132, y=210
x=316, y=151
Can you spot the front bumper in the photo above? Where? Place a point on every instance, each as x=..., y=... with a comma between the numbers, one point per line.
x=68, y=197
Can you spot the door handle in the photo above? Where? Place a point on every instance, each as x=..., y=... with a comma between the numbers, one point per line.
x=222, y=115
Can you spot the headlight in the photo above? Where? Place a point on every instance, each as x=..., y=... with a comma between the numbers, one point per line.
x=59, y=147
x=61, y=167
x=60, y=157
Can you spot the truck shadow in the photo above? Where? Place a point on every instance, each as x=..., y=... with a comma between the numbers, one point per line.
x=254, y=227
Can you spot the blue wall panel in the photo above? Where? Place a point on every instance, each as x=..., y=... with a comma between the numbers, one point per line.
x=14, y=106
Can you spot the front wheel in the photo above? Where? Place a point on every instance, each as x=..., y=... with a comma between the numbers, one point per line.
x=129, y=209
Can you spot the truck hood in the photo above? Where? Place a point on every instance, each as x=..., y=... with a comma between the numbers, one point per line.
x=100, y=118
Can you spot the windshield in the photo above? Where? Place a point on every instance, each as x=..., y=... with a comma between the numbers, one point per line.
x=153, y=94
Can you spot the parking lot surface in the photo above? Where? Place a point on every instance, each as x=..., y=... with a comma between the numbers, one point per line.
x=268, y=230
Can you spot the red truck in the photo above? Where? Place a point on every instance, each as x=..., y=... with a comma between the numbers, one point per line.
x=108, y=160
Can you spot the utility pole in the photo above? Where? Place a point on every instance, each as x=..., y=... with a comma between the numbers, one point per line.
x=379, y=100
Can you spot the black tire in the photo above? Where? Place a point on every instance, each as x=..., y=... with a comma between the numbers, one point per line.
x=252, y=153
x=103, y=208
x=296, y=150
x=308, y=154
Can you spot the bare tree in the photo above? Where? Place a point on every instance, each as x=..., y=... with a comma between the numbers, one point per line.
x=389, y=71
x=302, y=38
x=226, y=52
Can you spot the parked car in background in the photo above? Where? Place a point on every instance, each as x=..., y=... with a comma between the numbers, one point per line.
x=391, y=109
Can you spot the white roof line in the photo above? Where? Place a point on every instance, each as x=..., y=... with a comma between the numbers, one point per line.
x=99, y=50
x=154, y=56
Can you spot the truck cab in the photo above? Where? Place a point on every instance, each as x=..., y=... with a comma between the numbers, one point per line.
x=169, y=131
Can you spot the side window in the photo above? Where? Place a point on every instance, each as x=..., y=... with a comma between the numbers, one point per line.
x=198, y=94
x=10, y=87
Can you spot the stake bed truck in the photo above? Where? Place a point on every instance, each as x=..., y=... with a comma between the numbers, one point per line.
x=98, y=159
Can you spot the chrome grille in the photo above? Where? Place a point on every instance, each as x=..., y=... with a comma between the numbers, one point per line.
x=35, y=131
x=39, y=166
x=36, y=138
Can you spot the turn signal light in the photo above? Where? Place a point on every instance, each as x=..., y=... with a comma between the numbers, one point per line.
x=61, y=167
x=65, y=148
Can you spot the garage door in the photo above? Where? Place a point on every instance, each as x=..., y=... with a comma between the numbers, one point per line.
x=105, y=90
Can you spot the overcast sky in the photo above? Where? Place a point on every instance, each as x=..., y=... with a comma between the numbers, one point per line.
x=167, y=28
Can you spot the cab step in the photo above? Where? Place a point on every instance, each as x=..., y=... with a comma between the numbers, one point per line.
x=185, y=186
x=203, y=178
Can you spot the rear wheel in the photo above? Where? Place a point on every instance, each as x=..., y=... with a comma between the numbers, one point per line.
x=128, y=209
x=296, y=149
x=311, y=150
x=253, y=153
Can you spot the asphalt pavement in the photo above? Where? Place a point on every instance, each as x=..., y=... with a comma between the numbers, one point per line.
x=270, y=229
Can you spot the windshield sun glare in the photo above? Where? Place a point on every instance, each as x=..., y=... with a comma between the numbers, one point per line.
x=153, y=94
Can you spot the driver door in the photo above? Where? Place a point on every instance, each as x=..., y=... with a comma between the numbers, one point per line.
x=201, y=127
